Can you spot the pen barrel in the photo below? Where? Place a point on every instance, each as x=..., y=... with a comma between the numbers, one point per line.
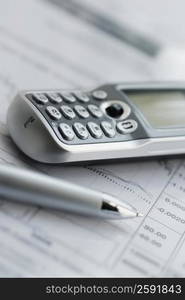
x=30, y=187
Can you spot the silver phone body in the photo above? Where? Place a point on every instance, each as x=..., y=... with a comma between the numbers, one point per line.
x=30, y=130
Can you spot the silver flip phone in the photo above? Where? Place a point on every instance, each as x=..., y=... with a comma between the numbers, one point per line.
x=113, y=121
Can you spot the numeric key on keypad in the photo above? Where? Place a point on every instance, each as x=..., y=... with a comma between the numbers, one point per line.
x=95, y=111
x=66, y=131
x=68, y=97
x=81, y=111
x=94, y=130
x=80, y=130
x=67, y=112
x=53, y=112
x=99, y=95
x=40, y=98
x=54, y=97
x=108, y=129
x=81, y=96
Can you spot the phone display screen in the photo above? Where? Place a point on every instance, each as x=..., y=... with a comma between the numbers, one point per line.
x=161, y=108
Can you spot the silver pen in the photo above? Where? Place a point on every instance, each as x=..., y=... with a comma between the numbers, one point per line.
x=32, y=187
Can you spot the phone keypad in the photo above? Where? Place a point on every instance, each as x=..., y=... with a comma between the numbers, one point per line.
x=78, y=117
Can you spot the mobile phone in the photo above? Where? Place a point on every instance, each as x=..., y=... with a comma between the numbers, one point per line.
x=113, y=121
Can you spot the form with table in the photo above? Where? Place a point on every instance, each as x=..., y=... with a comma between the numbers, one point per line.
x=54, y=47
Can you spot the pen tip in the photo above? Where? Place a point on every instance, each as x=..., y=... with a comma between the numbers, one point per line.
x=112, y=209
x=125, y=212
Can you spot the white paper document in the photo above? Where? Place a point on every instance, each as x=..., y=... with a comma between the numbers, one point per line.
x=45, y=44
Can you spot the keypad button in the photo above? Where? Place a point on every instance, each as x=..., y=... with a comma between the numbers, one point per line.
x=81, y=111
x=82, y=96
x=115, y=110
x=67, y=112
x=80, y=130
x=66, y=131
x=54, y=97
x=99, y=95
x=40, y=98
x=108, y=129
x=95, y=111
x=53, y=112
x=68, y=97
x=127, y=126
x=94, y=130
